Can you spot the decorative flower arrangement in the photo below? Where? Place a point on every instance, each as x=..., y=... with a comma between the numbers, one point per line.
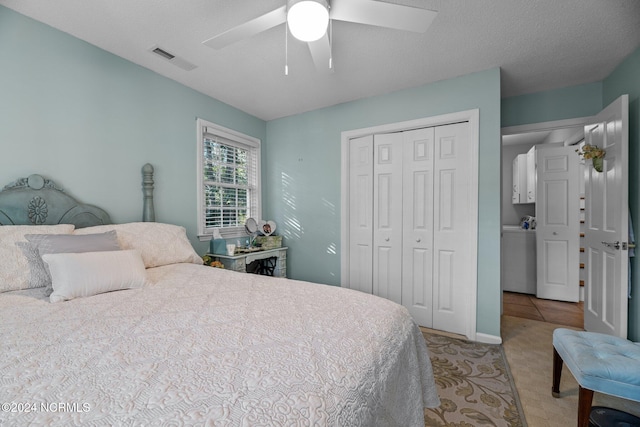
x=208, y=260
x=593, y=152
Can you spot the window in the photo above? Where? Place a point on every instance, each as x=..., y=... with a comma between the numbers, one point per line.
x=228, y=180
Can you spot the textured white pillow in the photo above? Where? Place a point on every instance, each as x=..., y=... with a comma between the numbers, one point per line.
x=14, y=267
x=75, y=275
x=158, y=243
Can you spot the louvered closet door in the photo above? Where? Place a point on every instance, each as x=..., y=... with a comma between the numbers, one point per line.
x=387, y=216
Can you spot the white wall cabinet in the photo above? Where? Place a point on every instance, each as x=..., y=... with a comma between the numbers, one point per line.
x=522, y=192
x=408, y=222
x=519, y=194
x=531, y=175
x=515, y=181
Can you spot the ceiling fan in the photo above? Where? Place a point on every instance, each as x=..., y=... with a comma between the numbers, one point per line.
x=308, y=21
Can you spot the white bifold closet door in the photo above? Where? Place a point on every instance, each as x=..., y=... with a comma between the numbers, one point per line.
x=408, y=243
x=387, y=216
x=361, y=214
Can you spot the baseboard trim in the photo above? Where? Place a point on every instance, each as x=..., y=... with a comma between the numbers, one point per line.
x=488, y=339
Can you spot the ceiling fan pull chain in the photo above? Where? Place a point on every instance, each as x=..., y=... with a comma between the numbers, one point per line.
x=331, y=44
x=286, y=48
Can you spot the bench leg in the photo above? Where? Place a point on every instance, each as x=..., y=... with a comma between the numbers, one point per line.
x=557, y=372
x=585, y=398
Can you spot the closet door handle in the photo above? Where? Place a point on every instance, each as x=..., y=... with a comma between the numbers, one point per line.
x=386, y=239
x=418, y=240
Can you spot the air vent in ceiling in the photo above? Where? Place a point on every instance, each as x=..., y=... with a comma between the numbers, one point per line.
x=163, y=53
x=175, y=60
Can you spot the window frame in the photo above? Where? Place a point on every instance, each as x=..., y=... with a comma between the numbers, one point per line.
x=238, y=140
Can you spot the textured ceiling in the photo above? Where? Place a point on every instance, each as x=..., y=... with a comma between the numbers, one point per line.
x=539, y=45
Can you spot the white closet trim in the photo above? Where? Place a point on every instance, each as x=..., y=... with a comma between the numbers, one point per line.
x=471, y=116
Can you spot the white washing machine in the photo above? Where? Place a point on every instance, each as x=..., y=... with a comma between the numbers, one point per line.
x=518, y=260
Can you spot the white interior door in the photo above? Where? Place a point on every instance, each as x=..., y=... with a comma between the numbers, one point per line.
x=558, y=224
x=387, y=216
x=361, y=214
x=452, y=249
x=606, y=217
x=417, y=261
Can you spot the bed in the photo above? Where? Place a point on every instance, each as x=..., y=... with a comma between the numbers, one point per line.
x=144, y=334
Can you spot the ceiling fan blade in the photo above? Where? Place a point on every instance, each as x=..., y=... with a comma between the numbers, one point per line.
x=321, y=54
x=382, y=14
x=249, y=28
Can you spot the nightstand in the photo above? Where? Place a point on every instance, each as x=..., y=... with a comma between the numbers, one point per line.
x=270, y=262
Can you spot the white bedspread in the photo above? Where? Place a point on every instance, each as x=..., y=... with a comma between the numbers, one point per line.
x=204, y=346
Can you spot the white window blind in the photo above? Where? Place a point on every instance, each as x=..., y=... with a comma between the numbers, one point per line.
x=229, y=180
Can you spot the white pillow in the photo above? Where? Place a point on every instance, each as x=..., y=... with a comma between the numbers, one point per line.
x=14, y=267
x=75, y=275
x=61, y=243
x=158, y=243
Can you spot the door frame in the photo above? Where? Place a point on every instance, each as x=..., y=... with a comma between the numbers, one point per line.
x=471, y=116
x=578, y=123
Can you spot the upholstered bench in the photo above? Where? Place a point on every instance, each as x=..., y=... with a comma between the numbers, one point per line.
x=599, y=362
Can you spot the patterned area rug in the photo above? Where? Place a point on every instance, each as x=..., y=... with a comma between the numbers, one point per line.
x=474, y=384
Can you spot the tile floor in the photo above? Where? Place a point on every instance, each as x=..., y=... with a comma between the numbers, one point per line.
x=529, y=307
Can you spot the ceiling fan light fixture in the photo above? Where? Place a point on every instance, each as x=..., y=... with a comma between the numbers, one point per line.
x=308, y=19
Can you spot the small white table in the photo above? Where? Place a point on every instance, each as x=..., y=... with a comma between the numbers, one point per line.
x=239, y=262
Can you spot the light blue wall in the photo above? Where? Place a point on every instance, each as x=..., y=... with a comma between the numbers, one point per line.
x=90, y=120
x=566, y=103
x=302, y=185
x=626, y=79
